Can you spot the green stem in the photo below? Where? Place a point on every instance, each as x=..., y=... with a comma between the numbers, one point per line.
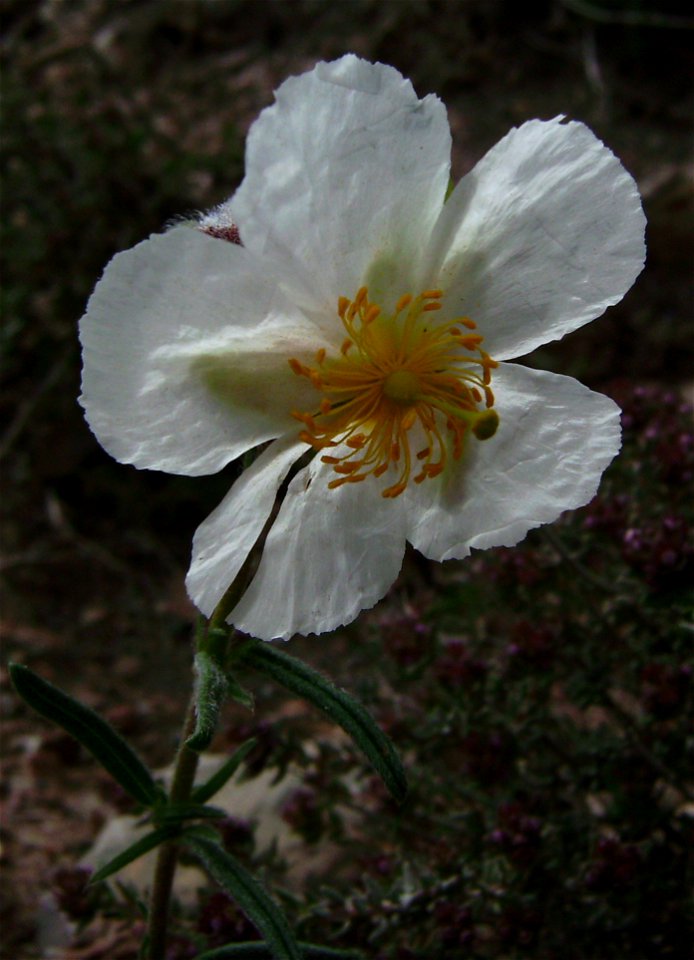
x=187, y=759
x=167, y=858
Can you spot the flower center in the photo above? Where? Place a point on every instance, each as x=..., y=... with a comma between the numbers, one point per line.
x=402, y=386
x=404, y=392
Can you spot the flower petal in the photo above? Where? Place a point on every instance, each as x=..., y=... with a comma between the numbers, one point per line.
x=555, y=439
x=329, y=554
x=346, y=167
x=222, y=543
x=543, y=235
x=185, y=346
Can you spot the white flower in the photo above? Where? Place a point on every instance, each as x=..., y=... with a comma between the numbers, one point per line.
x=367, y=322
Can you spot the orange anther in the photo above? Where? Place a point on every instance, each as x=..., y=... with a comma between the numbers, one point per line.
x=409, y=419
x=428, y=307
x=403, y=302
x=320, y=355
x=432, y=294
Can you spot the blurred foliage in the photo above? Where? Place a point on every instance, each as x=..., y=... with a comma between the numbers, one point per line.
x=542, y=695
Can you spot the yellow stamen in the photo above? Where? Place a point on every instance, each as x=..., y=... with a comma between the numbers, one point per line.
x=398, y=377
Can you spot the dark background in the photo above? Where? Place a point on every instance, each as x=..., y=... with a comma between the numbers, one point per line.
x=122, y=114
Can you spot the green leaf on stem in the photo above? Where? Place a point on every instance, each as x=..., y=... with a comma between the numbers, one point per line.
x=137, y=849
x=92, y=731
x=338, y=705
x=211, y=690
x=248, y=893
x=238, y=693
x=260, y=951
x=203, y=792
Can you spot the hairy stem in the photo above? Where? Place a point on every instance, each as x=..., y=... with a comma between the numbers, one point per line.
x=167, y=858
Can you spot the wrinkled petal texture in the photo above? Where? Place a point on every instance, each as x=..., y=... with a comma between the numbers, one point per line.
x=187, y=337
x=555, y=439
x=348, y=166
x=329, y=554
x=180, y=339
x=222, y=543
x=543, y=235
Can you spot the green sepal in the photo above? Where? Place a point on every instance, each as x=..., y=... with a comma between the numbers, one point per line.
x=338, y=705
x=91, y=730
x=248, y=893
x=203, y=792
x=170, y=814
x=211, y=690
x=138, y=849
x=260, y=951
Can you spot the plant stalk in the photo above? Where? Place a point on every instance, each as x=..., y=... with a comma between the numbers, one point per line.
x=167, y=857
x=187, y=760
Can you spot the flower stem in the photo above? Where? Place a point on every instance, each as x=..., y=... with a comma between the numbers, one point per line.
x=167, y=858
x=186, y=759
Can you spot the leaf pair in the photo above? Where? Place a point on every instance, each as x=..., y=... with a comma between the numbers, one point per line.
x=212, y=686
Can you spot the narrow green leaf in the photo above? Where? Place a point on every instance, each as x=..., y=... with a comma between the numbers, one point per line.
x=138, y=849
x=249, y=894
x=260, y=951
x=205, y=791
x=338, y=705
x=92, y=731
x=239, y=694
x=211, y=689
